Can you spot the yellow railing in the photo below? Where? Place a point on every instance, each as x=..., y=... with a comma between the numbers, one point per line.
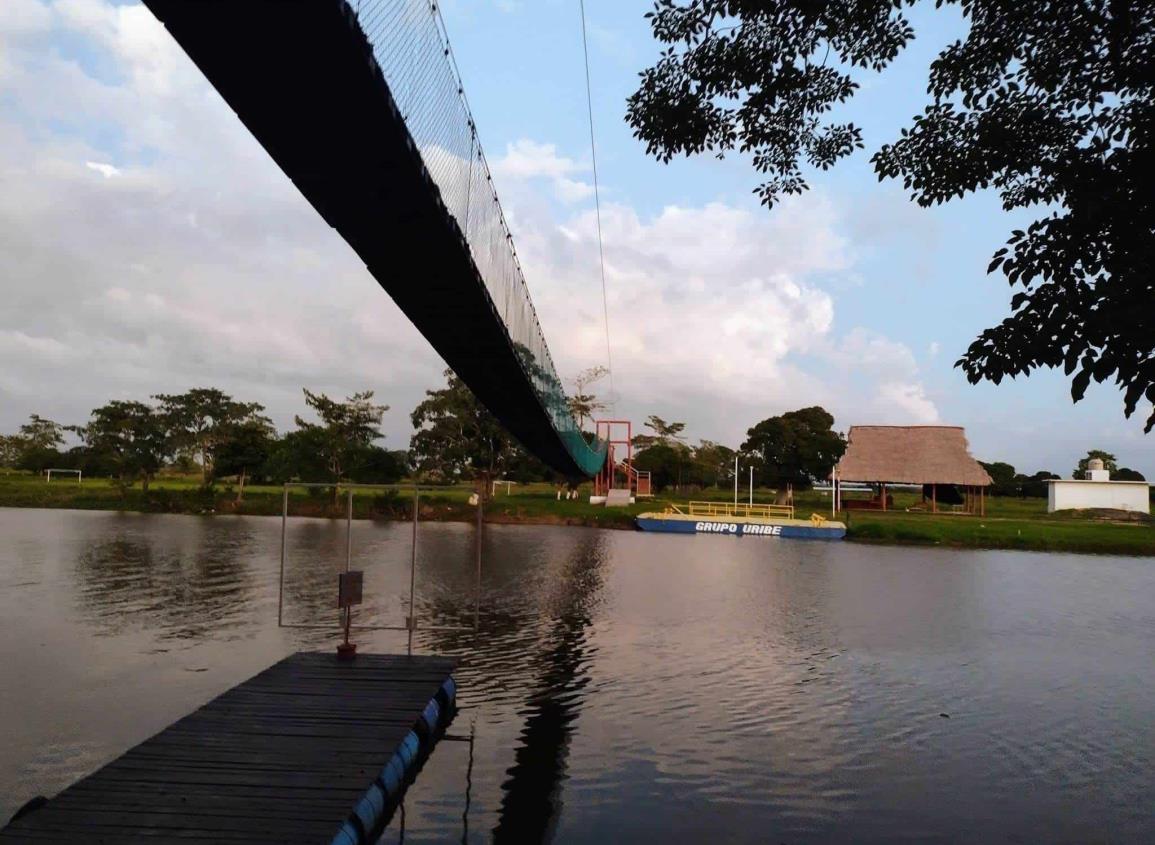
x=740, y=509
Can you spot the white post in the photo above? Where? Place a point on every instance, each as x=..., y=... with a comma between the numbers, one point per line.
x=833, y=506
x=735, y=482
x=751, y=485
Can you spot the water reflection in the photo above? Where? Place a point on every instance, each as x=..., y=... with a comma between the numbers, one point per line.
x=188, y=586
x=532, y=800
x=623, y=686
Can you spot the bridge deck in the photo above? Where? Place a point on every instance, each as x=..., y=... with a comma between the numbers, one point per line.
x=283, y=757
x=302, y=77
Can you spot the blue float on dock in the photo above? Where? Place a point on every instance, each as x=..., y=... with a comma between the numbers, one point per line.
x=741, y=520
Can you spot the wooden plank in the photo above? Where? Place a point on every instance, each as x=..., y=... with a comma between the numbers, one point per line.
x=282, y=757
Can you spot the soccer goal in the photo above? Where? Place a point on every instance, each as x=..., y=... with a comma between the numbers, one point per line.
x=79, y=475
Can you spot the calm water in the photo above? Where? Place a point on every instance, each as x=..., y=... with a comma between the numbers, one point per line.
x=625, y=686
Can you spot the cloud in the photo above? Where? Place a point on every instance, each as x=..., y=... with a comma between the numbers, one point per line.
x=151, y=245
x=526, y=160
x=190, y=261
x=909, y=401
x=105, y=170
x=719, y=315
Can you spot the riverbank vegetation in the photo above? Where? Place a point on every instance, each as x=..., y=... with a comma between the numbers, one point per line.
x=203, y=452
x=1010, y=522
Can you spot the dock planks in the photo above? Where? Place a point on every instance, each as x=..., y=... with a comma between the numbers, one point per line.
x=282, y=757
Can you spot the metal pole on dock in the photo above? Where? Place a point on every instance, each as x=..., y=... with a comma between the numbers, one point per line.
x=735, y=482
x=349, y=531
x=751, y=485
x=412, y=621
x=477, y=587
x=284, y=524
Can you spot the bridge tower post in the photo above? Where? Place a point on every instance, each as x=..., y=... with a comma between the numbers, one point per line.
x=618, y=472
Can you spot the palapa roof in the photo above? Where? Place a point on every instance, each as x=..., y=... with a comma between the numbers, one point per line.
x=910, y=454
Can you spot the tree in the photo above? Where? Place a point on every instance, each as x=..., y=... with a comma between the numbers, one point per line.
x=584, y=404
x=665, y=433
x=345, y=429
x=201, y=419
x=35, y=447
x=374, y=465
x=131, y=437
x=1107, y=458
x=41, y=433
x=11, y=447
x=1128, y=474
x=456, y=436
x=665, y=462
x=1049, y=103
x=794, y=448
x=1002, y=478
x=298, y=456
x=242, y=449
x=713, y=462
x=1034, y=486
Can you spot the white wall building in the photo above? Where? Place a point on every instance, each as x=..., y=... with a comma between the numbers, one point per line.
x=1097, y=491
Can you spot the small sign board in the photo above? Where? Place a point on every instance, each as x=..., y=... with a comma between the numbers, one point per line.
x=349, y=588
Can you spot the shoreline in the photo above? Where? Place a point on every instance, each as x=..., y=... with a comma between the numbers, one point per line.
x=1063, y=535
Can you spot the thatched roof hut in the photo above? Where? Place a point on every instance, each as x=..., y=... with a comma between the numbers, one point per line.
x=910, y=454
x=930, y=455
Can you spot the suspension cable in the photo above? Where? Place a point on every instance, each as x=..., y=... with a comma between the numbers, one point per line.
x=597, y=203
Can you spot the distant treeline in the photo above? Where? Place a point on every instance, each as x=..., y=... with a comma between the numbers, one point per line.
x=1008, y=482
x=455, y=438
x=208, y=432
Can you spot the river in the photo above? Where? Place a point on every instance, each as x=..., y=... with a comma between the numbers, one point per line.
x=624, y=686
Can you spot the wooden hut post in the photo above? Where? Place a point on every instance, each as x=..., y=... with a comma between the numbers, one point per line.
x=934, y=498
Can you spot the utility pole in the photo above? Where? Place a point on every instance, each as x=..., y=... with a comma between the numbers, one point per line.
x=735, y=482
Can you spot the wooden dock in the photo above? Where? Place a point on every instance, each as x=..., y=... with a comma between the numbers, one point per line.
x=311, y=750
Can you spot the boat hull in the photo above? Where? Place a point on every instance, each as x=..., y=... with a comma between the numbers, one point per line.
x=738, y=527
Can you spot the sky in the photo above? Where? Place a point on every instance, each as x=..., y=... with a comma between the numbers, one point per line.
x=150, y=245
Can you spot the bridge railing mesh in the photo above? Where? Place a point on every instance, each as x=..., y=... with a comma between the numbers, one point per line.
x=412, y=48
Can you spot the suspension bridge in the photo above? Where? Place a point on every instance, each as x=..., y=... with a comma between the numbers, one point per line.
x=360, y=103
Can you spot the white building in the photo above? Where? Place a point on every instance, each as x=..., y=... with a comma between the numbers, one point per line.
x=1097, y=491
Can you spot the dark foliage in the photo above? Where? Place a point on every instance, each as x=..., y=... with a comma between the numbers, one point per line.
x=794, y=448
x=1049, y=103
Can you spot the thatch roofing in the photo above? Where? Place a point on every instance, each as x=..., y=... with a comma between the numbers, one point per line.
x=910, y=454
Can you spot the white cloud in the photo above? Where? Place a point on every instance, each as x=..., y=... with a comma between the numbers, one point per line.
x=23, y=17
x=200, y=263
x=709, y=306
x=934, y=348
x=908, y=403
x=525, y=159
x=105, y=170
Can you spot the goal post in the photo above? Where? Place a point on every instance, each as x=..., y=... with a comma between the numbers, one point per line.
x=78, y=473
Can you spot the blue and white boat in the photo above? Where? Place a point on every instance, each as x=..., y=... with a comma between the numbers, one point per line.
x=741, y=520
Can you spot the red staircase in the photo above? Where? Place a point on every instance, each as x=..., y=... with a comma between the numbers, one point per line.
x=619, y=473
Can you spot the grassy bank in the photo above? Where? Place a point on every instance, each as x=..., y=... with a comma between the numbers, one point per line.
x=1008, y=523
x=534, y=503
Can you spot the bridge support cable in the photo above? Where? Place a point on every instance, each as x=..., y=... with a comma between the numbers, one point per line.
x=597, y=203
x=363, y=108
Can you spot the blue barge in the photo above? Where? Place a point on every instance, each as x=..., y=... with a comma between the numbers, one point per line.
x=741, y=520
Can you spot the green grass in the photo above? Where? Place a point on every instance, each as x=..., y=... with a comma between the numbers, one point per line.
x=1009, y=523
x=1066, y=534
